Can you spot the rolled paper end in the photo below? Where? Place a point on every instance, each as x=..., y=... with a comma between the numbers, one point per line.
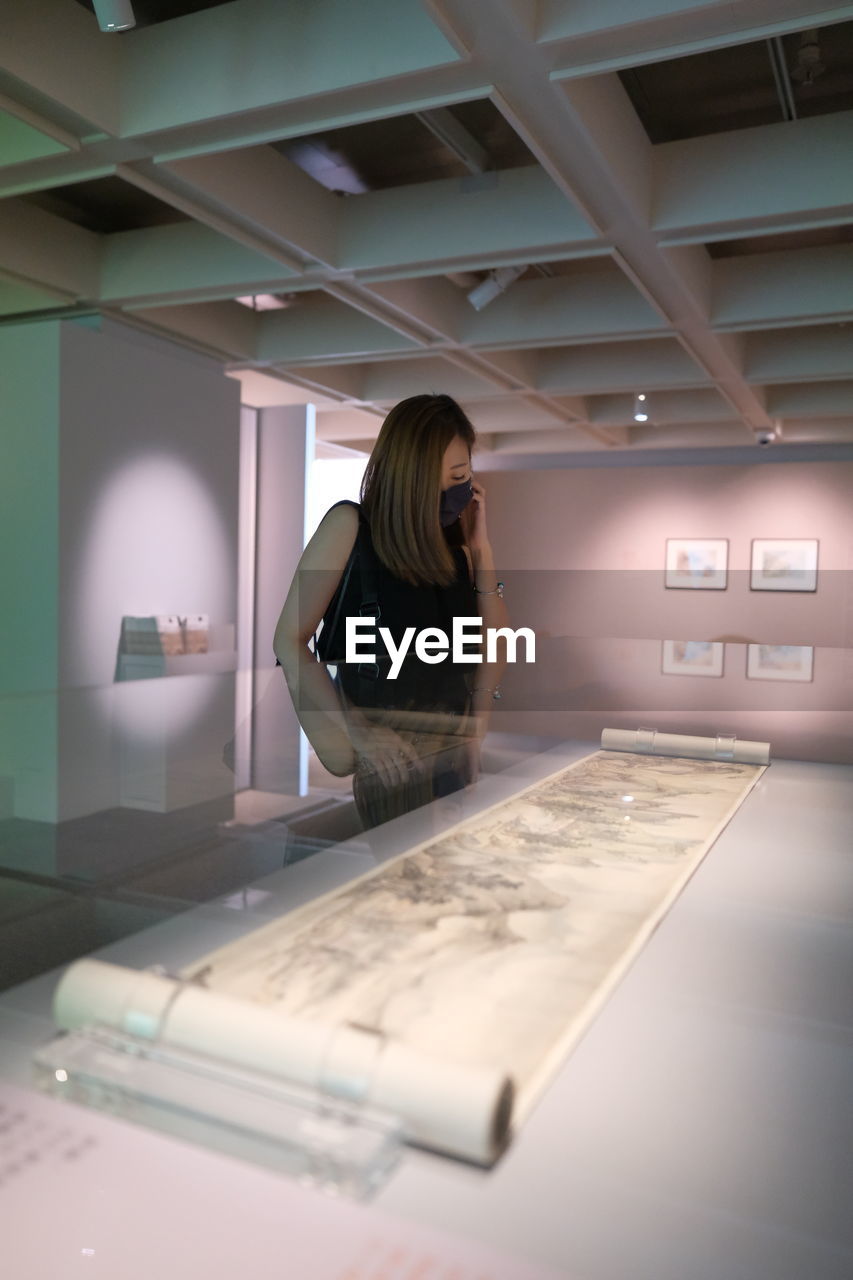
x=721, y=747
x=92, y=992
x=502, y=1119
x=759, y=752
x=465, y=1111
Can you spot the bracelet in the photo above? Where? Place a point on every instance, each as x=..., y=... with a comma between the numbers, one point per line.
x=496, y=591
x=494, y=690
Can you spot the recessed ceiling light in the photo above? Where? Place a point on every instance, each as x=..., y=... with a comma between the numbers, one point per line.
x=264, y=302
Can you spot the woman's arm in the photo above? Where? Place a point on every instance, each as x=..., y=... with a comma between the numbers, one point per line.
x=342, y=737
x=314, y=695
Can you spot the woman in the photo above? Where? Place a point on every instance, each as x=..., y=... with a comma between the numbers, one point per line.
x=416, y=554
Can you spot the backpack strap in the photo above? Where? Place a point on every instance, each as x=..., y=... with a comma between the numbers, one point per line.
x=330, y=620
x=365, y=562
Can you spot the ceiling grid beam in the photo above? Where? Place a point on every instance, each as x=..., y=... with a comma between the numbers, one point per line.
x=258, y=53
x=590, y=141
x=610, y=35
x=56, y=52
x=628, y=293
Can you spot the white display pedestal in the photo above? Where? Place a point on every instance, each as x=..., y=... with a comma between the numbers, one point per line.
x=700, y=1130
x=171, y=734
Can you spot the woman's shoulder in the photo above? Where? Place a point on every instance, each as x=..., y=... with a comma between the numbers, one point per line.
x=341, y=522
x=330, y=546
x=345, y=514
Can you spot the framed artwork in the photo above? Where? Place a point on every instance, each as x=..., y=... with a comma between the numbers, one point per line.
x=779, y=662
x=784, y=564
x=692, y=658
x=697, y=563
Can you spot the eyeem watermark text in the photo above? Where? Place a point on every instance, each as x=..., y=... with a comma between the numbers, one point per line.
x=433, y=645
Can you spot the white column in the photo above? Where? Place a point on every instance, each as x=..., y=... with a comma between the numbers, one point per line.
x=285, y=451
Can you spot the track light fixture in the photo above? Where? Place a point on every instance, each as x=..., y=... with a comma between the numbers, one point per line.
x=809, y=65
x=115, y=15
x=641, y=409
x=494, y=284
x=767, y=435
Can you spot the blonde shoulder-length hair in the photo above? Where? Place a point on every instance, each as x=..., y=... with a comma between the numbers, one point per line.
x=401, y=489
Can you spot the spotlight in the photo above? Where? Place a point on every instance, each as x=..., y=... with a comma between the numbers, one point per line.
x=115, y=15
x=641, y=411
x=495, y=283
x=809, y=65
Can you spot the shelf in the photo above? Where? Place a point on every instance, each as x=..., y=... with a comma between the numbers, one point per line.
x=139, y=666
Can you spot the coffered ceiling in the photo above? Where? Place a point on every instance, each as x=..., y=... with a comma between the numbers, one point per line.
x=672, y=181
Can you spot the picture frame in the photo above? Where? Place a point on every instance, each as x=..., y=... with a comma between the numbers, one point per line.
x=783, y=564
x=792, y=662
x=698, y=564
x=692, y=658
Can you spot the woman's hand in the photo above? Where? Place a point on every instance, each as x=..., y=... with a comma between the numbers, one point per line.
x=474, y=520
x=381, y=751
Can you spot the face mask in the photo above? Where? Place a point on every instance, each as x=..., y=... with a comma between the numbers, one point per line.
x=454, y=501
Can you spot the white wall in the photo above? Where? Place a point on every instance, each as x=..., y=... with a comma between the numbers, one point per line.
x=582, y=553
x=119, y=497
x=329, y=481
x=284, y=454
x=149, y=456
x=29, y=567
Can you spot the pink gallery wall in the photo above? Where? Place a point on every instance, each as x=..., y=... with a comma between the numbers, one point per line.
x=582, y=554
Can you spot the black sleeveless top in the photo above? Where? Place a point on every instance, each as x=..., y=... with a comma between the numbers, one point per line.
x=419, y=686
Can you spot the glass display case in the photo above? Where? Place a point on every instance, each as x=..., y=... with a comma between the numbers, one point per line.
x=690, y=1069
